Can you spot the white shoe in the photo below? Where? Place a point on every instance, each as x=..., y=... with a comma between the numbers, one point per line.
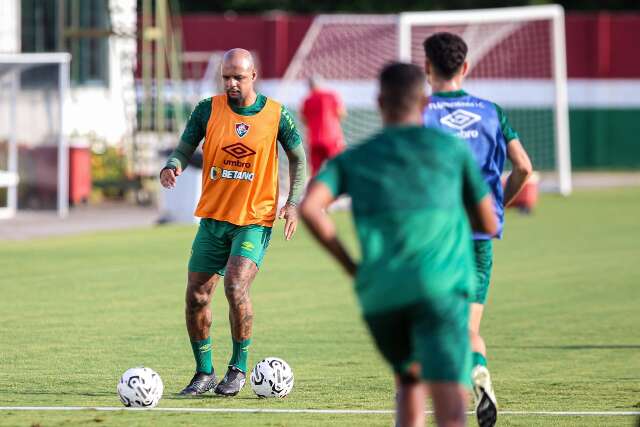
x=486, y=404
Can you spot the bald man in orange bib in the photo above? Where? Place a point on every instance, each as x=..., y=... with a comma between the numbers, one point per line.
x=241, y=129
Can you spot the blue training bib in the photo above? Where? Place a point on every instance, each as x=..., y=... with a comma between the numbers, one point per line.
x=476, y=121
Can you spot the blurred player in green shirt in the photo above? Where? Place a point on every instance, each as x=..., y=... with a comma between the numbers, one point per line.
x=414, y=193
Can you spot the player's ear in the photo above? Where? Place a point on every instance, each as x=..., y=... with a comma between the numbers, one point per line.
x=428, y=70
x=465, y=68
x=427, y=67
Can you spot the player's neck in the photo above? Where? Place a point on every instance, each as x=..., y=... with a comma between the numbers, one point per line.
x=438, y=85
x=245, y=102
x=414, y=119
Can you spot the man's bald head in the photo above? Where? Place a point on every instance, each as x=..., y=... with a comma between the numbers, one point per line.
x=238, y=75
x=240, y=58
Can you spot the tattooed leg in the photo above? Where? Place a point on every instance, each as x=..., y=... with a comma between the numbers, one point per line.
x=239, y=274
x=200, y=287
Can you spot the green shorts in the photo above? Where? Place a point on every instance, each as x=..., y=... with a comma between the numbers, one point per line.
x=484, y=263
x=433, y=333
x=216, y=241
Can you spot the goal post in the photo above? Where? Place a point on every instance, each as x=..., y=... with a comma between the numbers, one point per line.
x=517, y=59
x=505, y=23
x=34, y=154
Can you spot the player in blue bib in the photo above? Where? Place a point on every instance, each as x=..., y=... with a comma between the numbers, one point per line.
x=484, y=126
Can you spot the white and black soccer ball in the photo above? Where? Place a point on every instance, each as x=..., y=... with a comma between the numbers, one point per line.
x=272, y=377
x=140, y=388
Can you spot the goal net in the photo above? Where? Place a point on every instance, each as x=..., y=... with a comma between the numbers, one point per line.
x=33, y=150
x=516, y=56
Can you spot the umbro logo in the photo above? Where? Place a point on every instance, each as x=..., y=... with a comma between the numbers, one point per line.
x=460, y=119
x=239, y=150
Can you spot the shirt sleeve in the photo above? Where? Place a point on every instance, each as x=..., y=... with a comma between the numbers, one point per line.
x=288, y=134
x=179, y=158
x=331, y=175
x=509, y=133
x=194, y=131
x=474, y=188
x=297, y=174
x=196, y=126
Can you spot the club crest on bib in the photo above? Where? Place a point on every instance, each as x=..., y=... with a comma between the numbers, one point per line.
x=242, y=129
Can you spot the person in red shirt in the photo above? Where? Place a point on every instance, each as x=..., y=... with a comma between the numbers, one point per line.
x=322, y=111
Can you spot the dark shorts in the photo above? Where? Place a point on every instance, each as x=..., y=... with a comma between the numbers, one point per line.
x=433, y=333
x=216, y=241
x=484, y=263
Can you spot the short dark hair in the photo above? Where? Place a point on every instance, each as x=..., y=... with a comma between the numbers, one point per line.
x=401, y=87
x=447, y=52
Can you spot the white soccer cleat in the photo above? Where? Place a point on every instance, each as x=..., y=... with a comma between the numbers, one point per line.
x=485, y=398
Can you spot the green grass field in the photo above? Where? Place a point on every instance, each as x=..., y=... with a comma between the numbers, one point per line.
x=562, y=323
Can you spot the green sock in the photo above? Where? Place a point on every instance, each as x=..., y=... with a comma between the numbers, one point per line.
x=240, y=354
x=478, y=359
x=202, y=354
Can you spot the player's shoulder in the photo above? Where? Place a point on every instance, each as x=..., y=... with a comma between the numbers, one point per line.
x=498, y=108
x=205, y=102
x=272, y=104
x=478, y=98
x=417, y=134
x=441, y=139
x=361, y=149
x=491, y=106
x=369, y=142
x=486, y=103
x=438, y=134
x=202, y=110
x=285, y=114
x=269, y=99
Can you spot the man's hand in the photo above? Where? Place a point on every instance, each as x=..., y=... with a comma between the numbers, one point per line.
x=168, y=177
x=290, y=214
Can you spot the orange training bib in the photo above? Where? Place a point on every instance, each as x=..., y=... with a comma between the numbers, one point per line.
x=240, y=165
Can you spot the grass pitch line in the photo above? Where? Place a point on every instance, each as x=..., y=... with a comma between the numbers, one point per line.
x=306, y=411
x=573, y=413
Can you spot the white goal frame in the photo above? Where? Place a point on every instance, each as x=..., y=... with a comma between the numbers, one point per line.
x=16, y=62
x=555, y=14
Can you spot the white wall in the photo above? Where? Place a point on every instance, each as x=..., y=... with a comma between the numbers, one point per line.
x=95, y=111
x=9, y=26
x=109, y=112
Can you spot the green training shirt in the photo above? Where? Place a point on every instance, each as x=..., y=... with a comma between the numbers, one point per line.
x=409, y=186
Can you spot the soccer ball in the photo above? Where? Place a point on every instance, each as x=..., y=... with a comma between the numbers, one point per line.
x=140, y=388
x=272, y=377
